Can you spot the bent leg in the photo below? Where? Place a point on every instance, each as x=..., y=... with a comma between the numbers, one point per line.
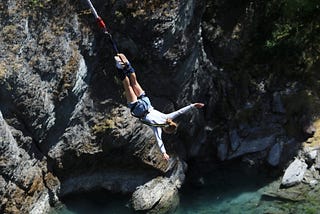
x=130, y=94
x=135, y=85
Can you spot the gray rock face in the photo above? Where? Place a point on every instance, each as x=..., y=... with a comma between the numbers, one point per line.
x=234, y=140
x=278, y=104
x=22, y=173
x=64, y=124
x=317, y=161
x=275, y=154
x=160, y=195
x=294, y=173
x=258, y=140
x=157, y=196
x=312, y=155
x=49, y=95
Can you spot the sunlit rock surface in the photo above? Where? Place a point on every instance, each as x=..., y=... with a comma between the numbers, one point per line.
x=64, y=124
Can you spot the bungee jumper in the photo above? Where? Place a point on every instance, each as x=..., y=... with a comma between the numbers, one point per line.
x=141, y=107
x=138, y=102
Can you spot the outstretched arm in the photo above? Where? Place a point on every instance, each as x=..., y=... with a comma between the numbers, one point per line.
x=157, y=132
x=183, y=110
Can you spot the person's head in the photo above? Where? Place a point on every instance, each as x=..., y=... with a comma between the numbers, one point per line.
x=171, y=127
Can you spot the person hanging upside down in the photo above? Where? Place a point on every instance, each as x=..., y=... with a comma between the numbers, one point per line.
x=141, y=107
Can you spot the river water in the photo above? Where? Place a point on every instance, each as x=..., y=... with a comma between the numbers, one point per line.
x=226, y=189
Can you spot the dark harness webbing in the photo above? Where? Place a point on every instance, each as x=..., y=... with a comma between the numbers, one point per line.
x=145, y=114
x=153, y=124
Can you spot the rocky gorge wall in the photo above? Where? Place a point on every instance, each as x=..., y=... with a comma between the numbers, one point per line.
x=65, y=127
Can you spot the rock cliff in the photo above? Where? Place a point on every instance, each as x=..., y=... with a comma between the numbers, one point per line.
x=65, y=127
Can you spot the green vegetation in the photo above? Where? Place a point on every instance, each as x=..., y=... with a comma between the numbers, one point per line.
x=36, y=3
x=283, y=54
x=39, y=3
x=147, y=7
x=103, y=126
x=286, y=44
x=292, y=48
x=292, y=42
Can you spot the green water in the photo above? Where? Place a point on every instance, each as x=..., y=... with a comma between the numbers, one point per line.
x=226, y=189
x=231, y=189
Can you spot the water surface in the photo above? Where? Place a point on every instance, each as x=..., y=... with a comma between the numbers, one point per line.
x=233, y=189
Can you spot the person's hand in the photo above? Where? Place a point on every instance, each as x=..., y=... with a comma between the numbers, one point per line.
x=166, y=156
x=121, y=61
x=198, y=105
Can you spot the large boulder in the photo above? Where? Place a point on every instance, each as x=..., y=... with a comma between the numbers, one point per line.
x=256, y=140
x=159, y=195
x=294, y=173
x=275, y=154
